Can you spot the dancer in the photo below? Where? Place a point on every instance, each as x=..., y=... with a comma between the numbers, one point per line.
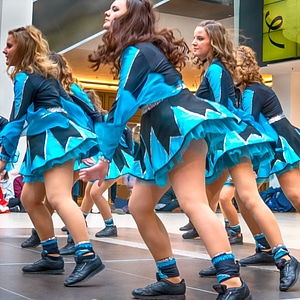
x=176, y=133
x=262, y=102
x=54, y=142
x=213, y=47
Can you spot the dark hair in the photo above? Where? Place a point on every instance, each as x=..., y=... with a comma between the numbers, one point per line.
x=135, y=26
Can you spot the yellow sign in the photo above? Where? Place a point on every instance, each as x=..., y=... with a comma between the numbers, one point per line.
x=281, y=30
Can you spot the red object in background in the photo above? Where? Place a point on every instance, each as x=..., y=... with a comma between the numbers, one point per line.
x=3, y=203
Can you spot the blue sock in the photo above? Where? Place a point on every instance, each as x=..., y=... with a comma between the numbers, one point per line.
x=280, y=251
x=50, y=246
x=225, y=266
x=235, y=229
x=261, y=242
x=109, y=222
x=70, y=238
x=167, y=268
x=84, y=248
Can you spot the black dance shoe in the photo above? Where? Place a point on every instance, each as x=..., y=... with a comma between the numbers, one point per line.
x=235, y=238
x=162, y=289
x=64, y=229
x=289, y=272
x=33, y=241
x=108, y=231
x=259, y=257
x=69, y=248
x=46, y=265
x=210, y=272
x=239, y=293
x=187, y=227
x=191, y=234
x=85, y=268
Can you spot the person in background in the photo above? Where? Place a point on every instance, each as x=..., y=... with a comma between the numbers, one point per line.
x=168, y=202
x=7, y=187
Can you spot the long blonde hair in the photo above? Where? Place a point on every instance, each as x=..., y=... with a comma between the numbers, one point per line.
x=32, y=53
x=222, y=45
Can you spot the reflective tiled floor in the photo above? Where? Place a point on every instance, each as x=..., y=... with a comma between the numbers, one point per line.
x=128, y=262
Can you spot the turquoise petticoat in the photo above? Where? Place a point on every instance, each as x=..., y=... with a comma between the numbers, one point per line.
x=168, y=129
x=54, y=139
x=287, y=150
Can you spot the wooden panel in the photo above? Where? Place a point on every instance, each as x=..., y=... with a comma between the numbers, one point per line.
x=108, y=98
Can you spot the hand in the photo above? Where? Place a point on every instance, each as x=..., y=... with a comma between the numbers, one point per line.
x=97, y=172
x=89, y=161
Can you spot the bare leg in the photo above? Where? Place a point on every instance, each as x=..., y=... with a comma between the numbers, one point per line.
x=245, y=183
x=87, y=201
x=248, y=217
x=32, y=200
x=58, y=184
x=213, y=189
x=289, y=183
x=99, y=200
x=227, y=207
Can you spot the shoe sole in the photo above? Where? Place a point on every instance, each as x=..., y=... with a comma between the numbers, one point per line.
x=236, y=243
x=294, y=282
x=257, y=264
x=73, y=253
x=30, y=246
x=210, y=275
x=92, y=274
x=51, y=272
x=161, y=297
x=106, y=236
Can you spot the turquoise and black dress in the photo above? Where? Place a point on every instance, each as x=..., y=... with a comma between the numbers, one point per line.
x=123, y=157
x=253, y=142
x=171, y=116
x=53, y=136
x=262, y=102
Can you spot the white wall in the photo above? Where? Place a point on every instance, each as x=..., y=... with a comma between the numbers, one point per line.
x=13, y=14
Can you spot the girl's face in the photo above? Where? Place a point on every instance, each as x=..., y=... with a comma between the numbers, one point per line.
x=10, y=50
x=201, y=43
x=117, y=9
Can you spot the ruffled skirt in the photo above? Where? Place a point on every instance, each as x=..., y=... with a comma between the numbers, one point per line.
x=168, y=129
x=287, y=150
x=53, y=139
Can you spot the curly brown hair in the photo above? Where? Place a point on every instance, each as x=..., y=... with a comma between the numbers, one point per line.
x=95, y=99
x=135, y=26
x=247, y=68
x=65, y=76
x=32, y=53
x=221, y=43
